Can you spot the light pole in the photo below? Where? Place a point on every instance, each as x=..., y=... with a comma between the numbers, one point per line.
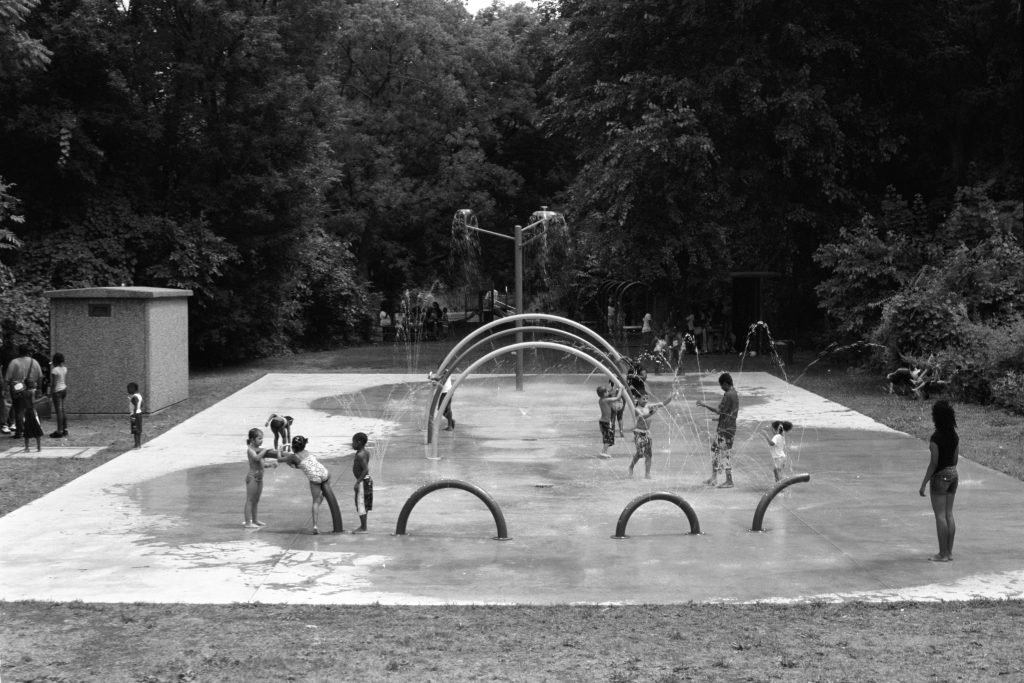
x=539, y=221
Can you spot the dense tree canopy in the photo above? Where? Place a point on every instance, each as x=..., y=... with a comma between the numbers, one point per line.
x=295, y=162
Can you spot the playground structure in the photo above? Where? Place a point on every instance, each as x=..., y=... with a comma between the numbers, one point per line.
x=443, y=405
x=604, y=355
x=464, y=227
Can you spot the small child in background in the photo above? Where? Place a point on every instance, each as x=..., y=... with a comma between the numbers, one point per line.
x=618, y=406
x=254, y=479
x=363, y=487
x=32, y=427
x=777, y=446
x=135, y=413
x=606, y=403
x=281, y=426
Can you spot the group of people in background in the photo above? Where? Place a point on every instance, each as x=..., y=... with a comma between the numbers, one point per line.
x=418, y=324
x=26, y=378
x=611, y=404
x=699, y=331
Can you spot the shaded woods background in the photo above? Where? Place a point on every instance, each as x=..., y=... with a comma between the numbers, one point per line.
x=294, y=162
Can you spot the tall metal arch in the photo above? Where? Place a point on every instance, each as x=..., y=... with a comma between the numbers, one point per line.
x=436, y=394
x=546, y=317
x=527, y=345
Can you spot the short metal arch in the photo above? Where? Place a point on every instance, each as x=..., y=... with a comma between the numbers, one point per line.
x=499, y=518
x=762, y=505
x=627, y=512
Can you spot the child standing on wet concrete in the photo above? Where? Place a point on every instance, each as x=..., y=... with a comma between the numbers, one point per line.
x=777, y=446
x=254, y=479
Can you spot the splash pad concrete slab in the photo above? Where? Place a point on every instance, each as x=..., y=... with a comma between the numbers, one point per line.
x=164, y=523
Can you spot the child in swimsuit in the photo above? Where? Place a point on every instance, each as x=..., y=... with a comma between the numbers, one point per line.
x=777, y=446
x=281, y=427
x=254, y=479
x=644, y=411
x=318, y=476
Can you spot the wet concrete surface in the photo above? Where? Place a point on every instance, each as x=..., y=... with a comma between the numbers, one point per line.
x=164, y=523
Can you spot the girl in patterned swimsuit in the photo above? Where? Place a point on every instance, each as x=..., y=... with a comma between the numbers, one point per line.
x=319, y=477
x=254, y=479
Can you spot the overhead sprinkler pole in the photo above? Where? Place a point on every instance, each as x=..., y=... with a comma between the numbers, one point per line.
x=519, y=304
x=539, y=220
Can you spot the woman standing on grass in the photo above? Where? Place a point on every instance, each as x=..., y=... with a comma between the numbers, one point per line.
x=941, y=476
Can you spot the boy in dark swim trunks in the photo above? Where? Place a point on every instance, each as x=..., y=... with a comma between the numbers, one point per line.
x=364, y=484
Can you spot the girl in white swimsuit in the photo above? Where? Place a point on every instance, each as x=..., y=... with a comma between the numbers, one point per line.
x=319, y=477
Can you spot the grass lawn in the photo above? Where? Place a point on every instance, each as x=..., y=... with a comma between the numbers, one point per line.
x=973, y=641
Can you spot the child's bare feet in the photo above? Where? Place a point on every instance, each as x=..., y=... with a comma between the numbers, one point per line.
x=260, y=523
x=315, y=531
x=938, y=558
x=251, y=525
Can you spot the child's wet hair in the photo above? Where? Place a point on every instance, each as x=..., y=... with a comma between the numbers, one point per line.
x=602, y=392
x=786, y=426
x=299, y=443
x=253, y=433
x=359, y=439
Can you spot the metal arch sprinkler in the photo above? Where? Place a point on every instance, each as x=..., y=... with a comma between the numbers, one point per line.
x=466, y=350
x=516, y=347
x=446, y=365
x=540, y=221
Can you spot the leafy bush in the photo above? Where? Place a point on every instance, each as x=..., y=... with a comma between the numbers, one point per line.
x=982, y=357
x=334, y=302
x=871, y=261
x=24, y=313
x=1008, y=391
x=866, y=268
x=949, y=299
x=918, y=323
